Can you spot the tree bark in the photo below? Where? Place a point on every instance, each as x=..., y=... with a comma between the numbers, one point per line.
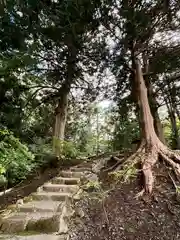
x=62, y=108
x=61, y=116
x=147, y=125
x=60, y=123
x=152, y=98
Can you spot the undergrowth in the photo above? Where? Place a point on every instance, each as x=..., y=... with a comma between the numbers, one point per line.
x=67, y=149
x=127, y=172
x=16, y=161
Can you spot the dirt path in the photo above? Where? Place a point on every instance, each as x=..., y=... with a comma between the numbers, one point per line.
x=124, y=217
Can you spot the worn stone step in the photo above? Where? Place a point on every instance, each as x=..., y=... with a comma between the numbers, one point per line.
x=68, y=174
x=54, y=196
x=80, y=169
x=85, y=165
x=33, y=237
x=13, y=225
x=67, y=181
x=42, y=222
x=40, y=206
x=49, y=187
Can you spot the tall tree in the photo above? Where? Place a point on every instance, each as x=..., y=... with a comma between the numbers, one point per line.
x=63, y=31
x=134, y=28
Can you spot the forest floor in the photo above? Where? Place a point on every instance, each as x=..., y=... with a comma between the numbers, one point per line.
x=121, y=216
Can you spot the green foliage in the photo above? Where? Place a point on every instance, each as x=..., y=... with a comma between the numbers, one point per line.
x=168, y=133
x=41, y=146
x=66, y=149
x=69, y=150
x=42, y=150
x=92, y=186
x=127, y=173
x=125, y=132
x=16, y=161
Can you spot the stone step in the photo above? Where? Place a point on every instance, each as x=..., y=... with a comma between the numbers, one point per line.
x=54, y=196
x=80, y=169
x=85, y=165
x=43, y=222
x=68, y=174
x=49, y=187
x=33, y=237
x=67, y=181
x=40, y=206
x=10, y=225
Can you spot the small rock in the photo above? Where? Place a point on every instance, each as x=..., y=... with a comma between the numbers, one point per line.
x=19, y=202
x=92, y=177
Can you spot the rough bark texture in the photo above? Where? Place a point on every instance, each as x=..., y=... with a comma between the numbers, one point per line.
x=61, y=116
x=60, y=122
x=151, y=148
x=158, y=126
x=152, y=98
x=61, y=110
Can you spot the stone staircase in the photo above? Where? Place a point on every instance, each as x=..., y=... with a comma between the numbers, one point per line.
x=43, y=216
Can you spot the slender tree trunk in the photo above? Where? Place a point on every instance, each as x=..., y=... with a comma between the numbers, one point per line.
x=172, y=116
x=172, y=110
x=178, y=113
x=97, y=132
x=154, y=110
x=176, y=116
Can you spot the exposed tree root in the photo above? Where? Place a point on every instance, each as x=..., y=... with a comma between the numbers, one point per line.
x=103, y=162
x=148, y=154
x=119, y=161
x=150, y=144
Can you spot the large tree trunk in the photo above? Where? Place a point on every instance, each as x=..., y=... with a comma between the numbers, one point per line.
x=61, y=110
x=151, y=148
x=60, y=123
x=152, y=99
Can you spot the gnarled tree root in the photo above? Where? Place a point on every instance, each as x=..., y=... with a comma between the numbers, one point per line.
x=148, y=154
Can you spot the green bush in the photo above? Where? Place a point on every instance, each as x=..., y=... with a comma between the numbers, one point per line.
x=125, y=132
x=41, y=148
x=66, y=149
x=16, y=161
